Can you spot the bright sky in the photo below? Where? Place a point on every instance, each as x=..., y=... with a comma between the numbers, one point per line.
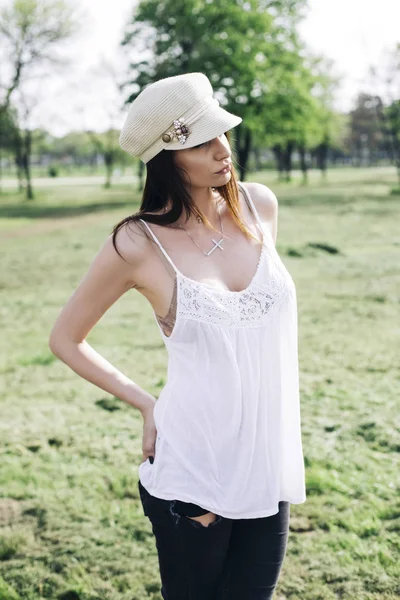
x=353, y=33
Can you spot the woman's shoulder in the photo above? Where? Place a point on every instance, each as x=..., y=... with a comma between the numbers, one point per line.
x=264, y=199
x=129, y=240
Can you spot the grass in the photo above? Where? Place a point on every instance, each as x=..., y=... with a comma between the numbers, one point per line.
x=71, y=523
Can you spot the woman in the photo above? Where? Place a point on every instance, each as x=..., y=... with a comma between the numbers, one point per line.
x=222, y=452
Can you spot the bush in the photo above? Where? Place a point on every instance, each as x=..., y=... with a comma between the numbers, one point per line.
x=52, y=171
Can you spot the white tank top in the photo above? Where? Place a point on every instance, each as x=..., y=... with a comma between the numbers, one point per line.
x=228, y=418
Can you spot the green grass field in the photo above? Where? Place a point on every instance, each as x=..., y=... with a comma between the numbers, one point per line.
x=71, y=522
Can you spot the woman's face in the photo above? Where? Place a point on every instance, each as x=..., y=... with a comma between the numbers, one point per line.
x=202, y=163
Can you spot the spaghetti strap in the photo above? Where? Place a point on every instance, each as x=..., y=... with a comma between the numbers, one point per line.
x=250, y=201
x=265, y=238
x=161, y=247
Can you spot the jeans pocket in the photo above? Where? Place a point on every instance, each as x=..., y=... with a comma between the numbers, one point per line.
x=184, y=511
x=188, y=509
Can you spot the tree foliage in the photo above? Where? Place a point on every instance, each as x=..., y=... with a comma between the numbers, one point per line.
x=249, y=50
x=30, y=30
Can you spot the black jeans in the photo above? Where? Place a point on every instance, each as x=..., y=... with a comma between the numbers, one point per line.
x=229, y=559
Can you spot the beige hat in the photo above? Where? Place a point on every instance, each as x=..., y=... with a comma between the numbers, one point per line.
x=173, y=114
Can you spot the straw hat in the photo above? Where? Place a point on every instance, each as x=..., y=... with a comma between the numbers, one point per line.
x=173, y=114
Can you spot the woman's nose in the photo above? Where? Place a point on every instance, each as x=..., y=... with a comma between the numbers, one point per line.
x=222, y=148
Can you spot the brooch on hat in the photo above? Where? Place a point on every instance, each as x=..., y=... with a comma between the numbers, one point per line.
x=180, y=131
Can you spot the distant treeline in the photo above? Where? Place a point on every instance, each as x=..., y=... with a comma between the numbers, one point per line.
x=360, y=140
x=260, y=69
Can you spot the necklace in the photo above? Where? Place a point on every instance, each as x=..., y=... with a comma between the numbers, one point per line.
x=217, y=244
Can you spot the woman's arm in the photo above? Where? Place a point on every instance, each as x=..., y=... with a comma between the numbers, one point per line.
x=108, y=278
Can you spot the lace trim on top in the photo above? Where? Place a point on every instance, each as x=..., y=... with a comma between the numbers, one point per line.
x=251, y=307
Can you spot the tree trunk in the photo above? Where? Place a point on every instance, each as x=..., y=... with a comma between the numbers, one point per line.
x=257, y=159
x=18, y=160
x=391, y=135
x=243, y=146
x=287, y=159
x=109, y=162
x=140, y=175
x=395, y=149
x=26, y=159
x=277, y=150
x=322, y=155
x=303, y=162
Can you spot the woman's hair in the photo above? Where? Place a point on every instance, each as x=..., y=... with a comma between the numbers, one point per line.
x=165, y=179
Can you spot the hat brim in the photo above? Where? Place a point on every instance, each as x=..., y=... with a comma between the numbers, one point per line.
x=212, y=124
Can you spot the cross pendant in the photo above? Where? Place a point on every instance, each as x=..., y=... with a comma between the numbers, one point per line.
x=216, y=245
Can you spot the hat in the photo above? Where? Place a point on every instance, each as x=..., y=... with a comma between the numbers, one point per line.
x=173, y=114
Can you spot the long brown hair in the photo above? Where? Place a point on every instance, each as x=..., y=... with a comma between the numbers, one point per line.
x=165, y=179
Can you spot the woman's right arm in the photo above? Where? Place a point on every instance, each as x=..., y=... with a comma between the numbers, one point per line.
x=108, y=278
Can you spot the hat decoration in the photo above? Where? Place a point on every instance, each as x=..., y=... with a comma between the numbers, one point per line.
x=180, y=131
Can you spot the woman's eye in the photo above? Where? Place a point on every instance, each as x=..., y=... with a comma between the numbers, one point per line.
x=201, y=145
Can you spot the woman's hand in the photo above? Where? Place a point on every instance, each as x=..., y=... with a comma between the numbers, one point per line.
x=149, y=434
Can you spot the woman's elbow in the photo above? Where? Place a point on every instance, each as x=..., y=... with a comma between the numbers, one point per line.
x=56, y=342
x=53, y=344
x=61, y=343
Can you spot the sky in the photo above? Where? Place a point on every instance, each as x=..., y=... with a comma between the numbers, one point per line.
x=353, y=33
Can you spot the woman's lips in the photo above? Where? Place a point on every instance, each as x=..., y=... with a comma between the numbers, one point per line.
x=224, y=170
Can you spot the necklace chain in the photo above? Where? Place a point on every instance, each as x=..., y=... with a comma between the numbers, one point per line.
x=217, y=244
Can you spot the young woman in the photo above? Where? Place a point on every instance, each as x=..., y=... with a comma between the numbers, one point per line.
x=222, y=451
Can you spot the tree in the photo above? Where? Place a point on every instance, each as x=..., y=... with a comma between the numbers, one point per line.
x=7, y=135
x=243, y=47
x=291, y=115
x=24, y=139
x=326, y=119
x=366, y=138
x=106, y=143
x=386, y=83
x=393, y=123
x=30, y=33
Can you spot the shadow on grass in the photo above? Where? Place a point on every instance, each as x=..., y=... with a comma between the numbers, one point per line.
x=49, y=211
x=311, y=196
x=319, y=197
x=315, y=197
